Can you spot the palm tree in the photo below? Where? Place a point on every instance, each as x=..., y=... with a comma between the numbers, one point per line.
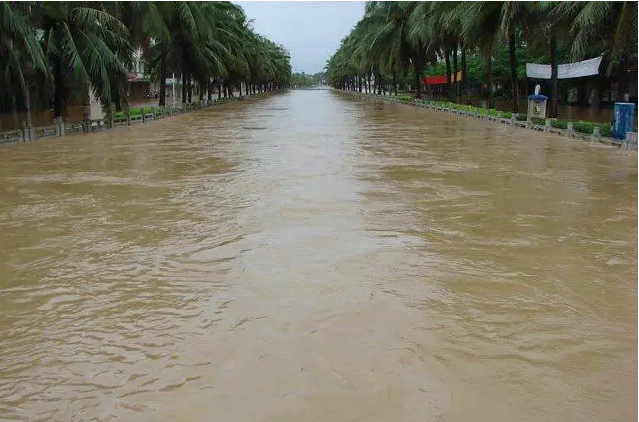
x=86, y=48
x=147, y=22
x=609, y=28
x=512, y=13
x=395, y=41
x=547, y=24
x=479, y=21
x=21, y=51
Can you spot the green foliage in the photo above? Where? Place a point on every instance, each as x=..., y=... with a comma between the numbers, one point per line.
x=583, y=127
x=302, y=80
x=69, y=48
x=405, y=98
x=403, y=41
x=538, y=121
x=521, y=117
x=559, y=124
x=606, y=130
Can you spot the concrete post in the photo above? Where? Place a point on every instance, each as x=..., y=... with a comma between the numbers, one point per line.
x=630, y=142
x=547, y=125
x=596, y=133
x=569, y=128
x=60, y=128
x=23, y=130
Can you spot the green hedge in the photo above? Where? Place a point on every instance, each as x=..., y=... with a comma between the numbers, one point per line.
x=583, y=127
x=605, y=129
x=538, y=121
x=559, y=124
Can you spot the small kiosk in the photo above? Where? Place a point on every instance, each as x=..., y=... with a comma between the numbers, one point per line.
x=537, y=104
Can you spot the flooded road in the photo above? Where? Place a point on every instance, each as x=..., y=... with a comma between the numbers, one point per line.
x=312, y=256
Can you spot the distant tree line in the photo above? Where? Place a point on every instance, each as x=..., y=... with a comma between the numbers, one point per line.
x=54, y=52
x=396, y=43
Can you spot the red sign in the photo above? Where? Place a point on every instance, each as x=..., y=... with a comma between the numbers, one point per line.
x=435, y=80
x=440, y=79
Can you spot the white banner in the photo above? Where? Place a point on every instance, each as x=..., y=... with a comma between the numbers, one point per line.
x=564, y=71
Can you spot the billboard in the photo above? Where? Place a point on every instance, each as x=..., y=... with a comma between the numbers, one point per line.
x=565, y=71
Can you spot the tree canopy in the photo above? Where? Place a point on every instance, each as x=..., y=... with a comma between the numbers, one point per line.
x=53, y=52
x=402, y=42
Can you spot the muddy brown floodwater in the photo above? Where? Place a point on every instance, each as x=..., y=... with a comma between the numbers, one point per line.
x=312, y=256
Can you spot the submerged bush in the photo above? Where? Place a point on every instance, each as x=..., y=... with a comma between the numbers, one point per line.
x=583, y=127
x=538, y=121
x=559, y=124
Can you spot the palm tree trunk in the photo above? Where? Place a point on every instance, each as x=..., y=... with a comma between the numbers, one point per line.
x=219, y=90
x=513, y=71
x=447, y=58
x=201, y=85
x=58, y=88
x=395, y=82
x=209, y=90
x=190, y=88
x=418, y=64
x=455, y=81
x=163, y=72
x=552, y=112
x=86, y=111
x=184, y=95
x=27, y=102
x=488, y=70
x=463, y=69
x=14, y=112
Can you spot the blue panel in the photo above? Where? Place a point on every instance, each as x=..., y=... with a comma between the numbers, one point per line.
x=624, y=116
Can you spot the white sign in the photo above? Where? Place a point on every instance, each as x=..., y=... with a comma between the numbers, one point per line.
x=564, y=71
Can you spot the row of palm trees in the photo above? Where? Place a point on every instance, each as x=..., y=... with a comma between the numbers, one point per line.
x=395, y=38
x=53, y=52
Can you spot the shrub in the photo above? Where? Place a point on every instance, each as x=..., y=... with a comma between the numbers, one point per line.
x=538, y=121
x=522, y=117
x=606, y=130
x=507, y=115
x=493, y=113
x=404, y=97
x=119, y=115
x=583, y=127
x=559, y=124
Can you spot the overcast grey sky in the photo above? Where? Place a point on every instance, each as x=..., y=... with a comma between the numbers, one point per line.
x=311, y=30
